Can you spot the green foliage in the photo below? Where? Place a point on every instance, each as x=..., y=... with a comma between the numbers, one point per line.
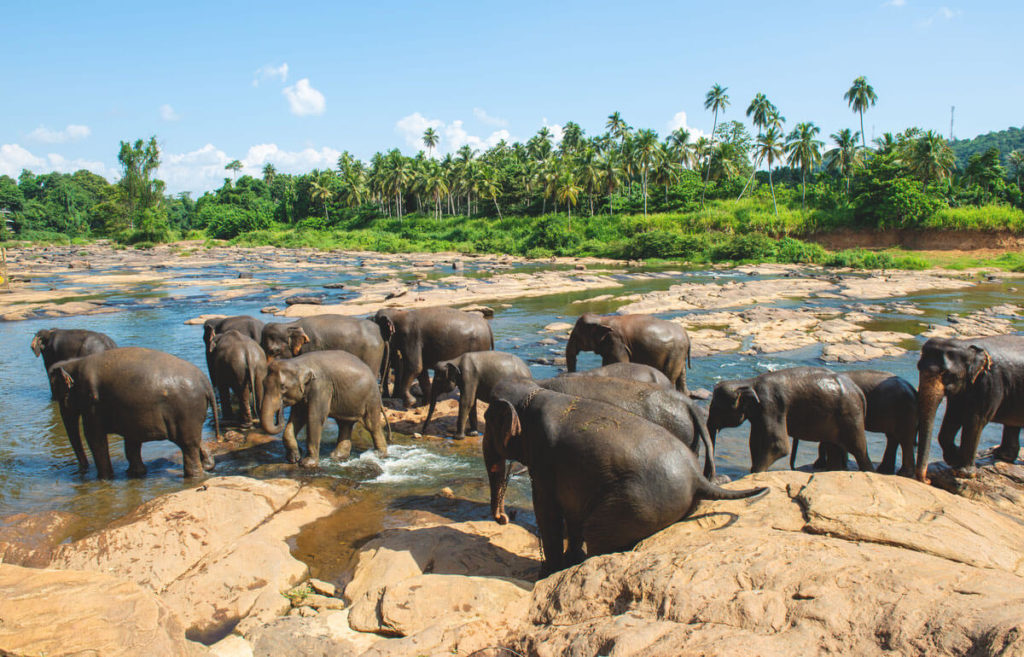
x=989, y=218
x=228, y=221
x=1004, y=141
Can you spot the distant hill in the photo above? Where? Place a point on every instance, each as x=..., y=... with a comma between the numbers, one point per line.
x=1006, y=141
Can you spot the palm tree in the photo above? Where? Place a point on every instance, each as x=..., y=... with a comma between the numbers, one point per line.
x=320, y=190
x=768, y=149
x=234, y=166
x=269, y=173
x=885, y=144
x=647, y=151
x=763, y=113
x=567, y=191
x=930, y=157
x=430, y=139
x=590, y=174
x=682, y=149
x=861, y=96
x=715, y=100
x=804, y=151
x=844, y=156
x=1017, y=162
x=611, y=175
x=617, y=127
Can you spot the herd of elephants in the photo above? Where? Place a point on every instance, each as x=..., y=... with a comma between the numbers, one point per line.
x=612, y=453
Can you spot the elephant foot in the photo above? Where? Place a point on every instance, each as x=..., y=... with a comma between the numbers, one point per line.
x=342, y=452
x=905, y=472
x=308, y=462
x=209, y=464
x=951, y=456
x=573, y=557
x=1003, y=454
x=473, y=433
x=136, y=471
x=409, y=402
x=887, y=468
x=459, y=436
x=965, y=472
x=292, y=457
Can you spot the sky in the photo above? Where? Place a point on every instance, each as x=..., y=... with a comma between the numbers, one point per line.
x=296, y=84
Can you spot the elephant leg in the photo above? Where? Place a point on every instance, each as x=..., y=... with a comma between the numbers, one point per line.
x=96, y=437
x=411, y=368
x=549, y=522
x=858, y=447
x=245, y=405
x=314, y=431
x=424, y=381
x=951, y=425
x=296, y=420
x=574, y=553
x=822, y=462
x=467, y=403
x=888, y=464
x=207, y=459
x=224, y=391
x=969, y=439
x=133, y=452
x=474, y=421
x=374, y=423
x=344, y=447
x=1009, y=448
x=71, y=427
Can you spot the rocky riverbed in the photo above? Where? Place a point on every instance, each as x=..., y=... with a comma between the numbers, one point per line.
x=827, y=563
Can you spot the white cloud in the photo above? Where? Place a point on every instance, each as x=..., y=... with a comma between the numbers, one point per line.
x=167, y=113
x=483, y=117
x=70, y=133
x=943, y=13
x=678, y=120
x=203, y=169
x=14, y=158
x=453, y=135
x=269, y=73
x=556, y=130
x=303, y=99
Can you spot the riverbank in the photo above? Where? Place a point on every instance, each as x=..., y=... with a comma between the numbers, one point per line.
x=925, y=571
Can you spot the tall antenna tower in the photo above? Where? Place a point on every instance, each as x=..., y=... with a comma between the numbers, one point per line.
x=952, y=110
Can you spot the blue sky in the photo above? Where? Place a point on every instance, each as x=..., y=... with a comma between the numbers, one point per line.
x=295, y=84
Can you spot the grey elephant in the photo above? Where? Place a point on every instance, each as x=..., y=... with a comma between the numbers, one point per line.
x=239, y=366
x=982, y=380
x=424, y=336
x=642, y=339
x=60, y=344
x=668, y=408
x=807, y=403
x=139, y=394
x=359, y=337
x=475, y=374
x=599, y=474
x=628, y=371
x=891, y=409
x=320, y=385
x=244, y=324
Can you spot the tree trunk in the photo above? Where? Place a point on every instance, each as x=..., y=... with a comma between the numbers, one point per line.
x=707, y=172
x=773, y=191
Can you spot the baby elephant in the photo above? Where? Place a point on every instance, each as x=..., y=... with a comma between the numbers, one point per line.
x=319, y=385
x=475, y=374
x=238, y=364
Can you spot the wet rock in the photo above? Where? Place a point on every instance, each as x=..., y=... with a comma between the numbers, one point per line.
x=270, y=310
x=394, y=294
x=79, y=264
x=702, y=394
x=558, y=327
x=245, y=274
x=998, y=484
x=196, y=321
x=67, y=612
x=548, y=341
x=335, y=286
x=856, y=353
x=29, y=539
x=580, y=267
x=486, y=311
x=304, y=299
x=456, y=265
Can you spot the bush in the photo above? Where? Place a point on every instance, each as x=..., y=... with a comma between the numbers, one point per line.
x=228, y=221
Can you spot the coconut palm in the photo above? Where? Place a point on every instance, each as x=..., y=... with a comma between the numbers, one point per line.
x=1017, y=162
x=320, y=190
x=430, y=139
x=769, y=149
x=647, y=151
x=567, y=190
x=611, y=174
x=758, y=110
x=804, y=151
x=588, y=168
x=234, y=166
x=885, y=144
x=845, y=155
x=269, y=173
x=930, y=157
x=715, y=100
x=681, y=148
x=860, y=97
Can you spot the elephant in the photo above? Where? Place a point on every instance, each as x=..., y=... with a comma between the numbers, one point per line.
x=319, y=385
x=807, y=403
x=668, y=408
x=983, y=381
x=609, y=477
x=425, y=336
x=891, y=409
x=475, y=373
x=140, y=394
x=239, y=365
x=628, y=371
x=61, y=344
x=359, y=337
x=632, y=338
x=244, y=324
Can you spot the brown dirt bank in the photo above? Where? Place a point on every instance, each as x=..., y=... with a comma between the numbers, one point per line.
x=932, y=240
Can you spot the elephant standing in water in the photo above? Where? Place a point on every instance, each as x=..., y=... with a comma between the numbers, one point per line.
x=423, y=337
x=239, y=365
x=635, y=339
x=245, y=324
x=982, y=381
x=319, y=385
x=139, y=394
x=602, y=475
x=808, y=403
x=61, y=344
x=359, y=337
x=475, y=374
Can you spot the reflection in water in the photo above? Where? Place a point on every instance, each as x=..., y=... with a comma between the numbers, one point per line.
x=39, y=469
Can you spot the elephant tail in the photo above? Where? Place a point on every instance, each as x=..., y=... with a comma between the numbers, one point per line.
x=705, y=437
x=211, y=398
x=385, y=366
x=387, y=423
x=709, y=491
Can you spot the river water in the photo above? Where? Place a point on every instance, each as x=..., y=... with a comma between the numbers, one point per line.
x=38, y=470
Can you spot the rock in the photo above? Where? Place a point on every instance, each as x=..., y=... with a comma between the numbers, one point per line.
x=997, y=483
x=245, y=274
x=67, y=612
x=79, y=264
x=702, y=394
x=322, y=587
x=305, y=299
x=230, y=559
x=580, y=267
x=29, y=539
x=548, y=341
x=453, y=599
x=317, y=601
x=558, y=327
x=335, y=286
x=231, y=646
x=855, y=353
x=324, y=635
x=195, y=321
x=270, y=310
x=486, y=311
x=395, y=294
x=447, y=493
x=830, y=563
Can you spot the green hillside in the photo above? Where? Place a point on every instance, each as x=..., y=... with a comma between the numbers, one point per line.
x=1006, y=141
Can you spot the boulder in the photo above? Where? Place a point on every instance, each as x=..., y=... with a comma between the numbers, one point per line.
x=67, y=612
x=29, y=539
x=323, y=635
x=215, y=554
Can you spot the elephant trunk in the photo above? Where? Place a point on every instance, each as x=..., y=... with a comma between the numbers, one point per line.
x=70, y=418
x=269, y=410
x=497, y=477
x=434, y=392
x=929, y=394
x=572, y=347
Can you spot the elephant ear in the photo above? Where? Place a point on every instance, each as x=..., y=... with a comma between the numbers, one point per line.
x=502, y=421
x=453, y=373
x=208, y=333
x=211, y=344
x=980, y=363
x=746, y=397
x=308, y=377
x=387, y=327
x=296, y=339
x=611, y=340
x=37, y=345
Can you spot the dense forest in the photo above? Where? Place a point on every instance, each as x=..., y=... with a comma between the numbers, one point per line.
x=1007, y=142
x=625, y=192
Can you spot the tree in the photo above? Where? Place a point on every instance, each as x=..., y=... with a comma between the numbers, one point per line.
x=430, y=139
x=768, y=149
x=567, y=191
x=320, y=190
x=930, y=157
x=1017, y=164
x=844, y=156
x=804, y=151
x=617, y=127
x=681, y=148
x=715, y=100
x=762, y=112
x=234, y=166
x=647, y=152
x=138, y=161
x=269, y=173
x=860, y=96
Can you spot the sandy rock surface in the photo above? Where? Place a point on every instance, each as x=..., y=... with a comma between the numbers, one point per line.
x=67, y=612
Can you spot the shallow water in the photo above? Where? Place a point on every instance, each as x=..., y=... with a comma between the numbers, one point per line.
x=39, y=470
